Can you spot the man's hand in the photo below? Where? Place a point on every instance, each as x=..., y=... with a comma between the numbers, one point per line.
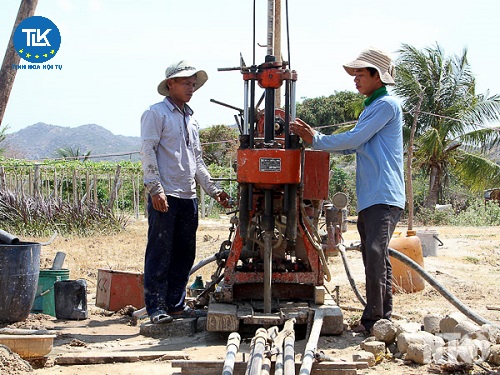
x=303, y=130
x=160, y=202
x=223, y=199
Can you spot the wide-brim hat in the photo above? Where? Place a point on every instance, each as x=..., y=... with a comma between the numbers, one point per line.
x=373, y=58
x=182, y=69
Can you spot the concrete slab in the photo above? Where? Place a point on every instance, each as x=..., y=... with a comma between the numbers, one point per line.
x=179, y=327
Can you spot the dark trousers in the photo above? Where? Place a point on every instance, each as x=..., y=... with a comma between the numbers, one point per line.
x=170, y=254
x=376, y=225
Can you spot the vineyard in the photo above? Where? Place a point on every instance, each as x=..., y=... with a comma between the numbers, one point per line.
x=69, y=196
x=76, y=197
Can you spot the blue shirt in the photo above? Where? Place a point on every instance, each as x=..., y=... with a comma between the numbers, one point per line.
x=377, y=140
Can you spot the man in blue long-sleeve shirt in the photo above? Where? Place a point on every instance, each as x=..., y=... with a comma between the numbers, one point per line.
x=377, y=140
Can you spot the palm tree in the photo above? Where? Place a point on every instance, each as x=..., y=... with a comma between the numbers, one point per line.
x=452, y=124
x=72, y=153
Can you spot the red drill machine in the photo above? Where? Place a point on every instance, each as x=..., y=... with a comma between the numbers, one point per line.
x=275, y=267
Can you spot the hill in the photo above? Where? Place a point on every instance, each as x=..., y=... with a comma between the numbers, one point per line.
x=41, y=141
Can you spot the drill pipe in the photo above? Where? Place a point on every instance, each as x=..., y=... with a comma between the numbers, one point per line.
x=312, y=343
x=257, y=347
x=233, y=344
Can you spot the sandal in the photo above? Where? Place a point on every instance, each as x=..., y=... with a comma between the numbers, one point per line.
x=160, y=317
x=188, y=312
x=360, y=328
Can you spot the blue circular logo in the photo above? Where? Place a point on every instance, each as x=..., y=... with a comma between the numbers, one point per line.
x=37, y=39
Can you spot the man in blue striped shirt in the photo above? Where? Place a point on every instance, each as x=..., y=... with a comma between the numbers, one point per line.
x=377, y=141
x=172, y=163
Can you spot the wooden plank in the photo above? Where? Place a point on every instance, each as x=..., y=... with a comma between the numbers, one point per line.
x=215, y=367
x=91, y=358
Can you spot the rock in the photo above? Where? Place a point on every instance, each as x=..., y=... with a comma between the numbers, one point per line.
x=385, y=330
x=365, y=357
x=406, y=338
x=494, y=357
x=441, y=356
x=483, y=348
x=377, y=348
x=431, y=323
x=419, y=353
x=422, y=337
x=493, y=333
x=466, y=352
x=466, y=328
x=406, y=327
x=449, y=322
x=435, y=342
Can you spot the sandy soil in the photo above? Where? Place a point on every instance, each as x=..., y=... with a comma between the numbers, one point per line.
x=468, y=265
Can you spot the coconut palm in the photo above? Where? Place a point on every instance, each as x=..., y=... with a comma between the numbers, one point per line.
x=72, y=153
x=452, y=124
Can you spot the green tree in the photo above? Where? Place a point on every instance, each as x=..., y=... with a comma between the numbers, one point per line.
x=72, y=153
x=219, y=143
x=452, y=130
x=335, y=109
x=3, y=129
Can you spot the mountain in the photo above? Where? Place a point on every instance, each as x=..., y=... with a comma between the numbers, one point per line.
x=41, y=141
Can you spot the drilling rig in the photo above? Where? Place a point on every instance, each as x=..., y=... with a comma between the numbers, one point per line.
x=275, y=267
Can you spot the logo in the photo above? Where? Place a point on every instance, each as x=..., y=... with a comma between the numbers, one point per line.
x=37, y=39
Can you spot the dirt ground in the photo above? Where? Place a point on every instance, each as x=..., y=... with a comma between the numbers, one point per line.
x=468, y=265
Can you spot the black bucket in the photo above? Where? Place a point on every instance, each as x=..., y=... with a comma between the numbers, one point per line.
x=19, y=270
x=71, y=299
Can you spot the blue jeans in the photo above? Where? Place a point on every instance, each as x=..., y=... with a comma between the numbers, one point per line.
x=170, y=254
x=376, y=225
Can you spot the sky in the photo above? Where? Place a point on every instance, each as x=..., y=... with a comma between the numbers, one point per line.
x=114, y=53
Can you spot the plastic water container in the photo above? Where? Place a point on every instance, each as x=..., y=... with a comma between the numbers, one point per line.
x=45, y=296
x=71, y=299
x=404, y=278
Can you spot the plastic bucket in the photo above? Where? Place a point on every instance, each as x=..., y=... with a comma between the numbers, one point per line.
x=429, y=239
x=19, y=270
x=404, y=278
x=44, y=299
x=71, y=299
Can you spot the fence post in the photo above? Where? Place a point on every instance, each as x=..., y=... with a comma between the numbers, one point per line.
x=2, y=179
x=202, y=198
x=114, y=188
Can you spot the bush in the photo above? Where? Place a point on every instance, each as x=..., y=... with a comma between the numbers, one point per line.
x=478, y=213
x=29, y=216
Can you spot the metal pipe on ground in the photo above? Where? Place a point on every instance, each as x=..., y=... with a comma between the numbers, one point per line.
x=272, y=334
x=266, y=366
x=257, y=347
x=289, y=347
x=312, y=343
x=232, y=347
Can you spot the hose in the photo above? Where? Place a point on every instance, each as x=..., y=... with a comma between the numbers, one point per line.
x=427, y=277
x=203, y=263
x=349, y=276
x=440, y=288
x=316, y=243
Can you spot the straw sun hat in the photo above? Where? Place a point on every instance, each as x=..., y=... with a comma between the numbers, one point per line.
x=182, y=69
x=373, y=58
